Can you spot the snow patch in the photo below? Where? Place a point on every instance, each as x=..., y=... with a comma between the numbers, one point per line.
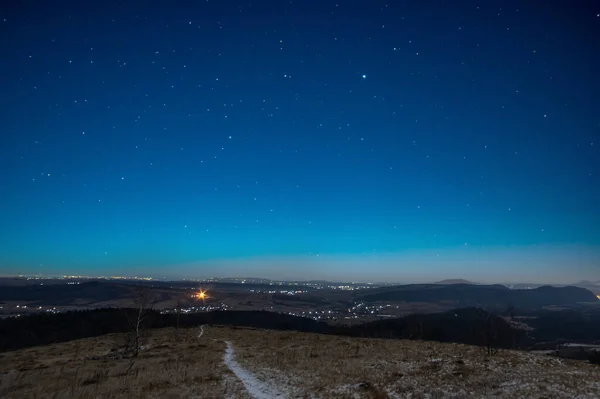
x=255, y=387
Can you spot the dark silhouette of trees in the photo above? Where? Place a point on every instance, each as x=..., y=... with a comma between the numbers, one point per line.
x=488, y=329
x=594, y=357
x=474, y=326
x=510, y=310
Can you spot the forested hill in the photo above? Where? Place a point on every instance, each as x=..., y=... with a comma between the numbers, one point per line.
x=465, y=295
x=466, y=325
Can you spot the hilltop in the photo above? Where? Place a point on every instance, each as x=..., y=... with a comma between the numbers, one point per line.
x=242, y=362
x=493, y=296
x=454, y=281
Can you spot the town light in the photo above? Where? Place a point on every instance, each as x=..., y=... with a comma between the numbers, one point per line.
x=201, y=295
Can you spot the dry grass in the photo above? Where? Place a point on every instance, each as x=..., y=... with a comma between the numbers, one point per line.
x=177, y=364
x=338, y=367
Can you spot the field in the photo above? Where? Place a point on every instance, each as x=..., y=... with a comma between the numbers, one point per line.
x=172, y=364
x=229, y=362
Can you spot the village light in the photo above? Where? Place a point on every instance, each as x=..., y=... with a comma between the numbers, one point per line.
x=201, y=295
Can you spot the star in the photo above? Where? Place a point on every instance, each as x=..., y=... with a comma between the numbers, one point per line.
x=325, y=145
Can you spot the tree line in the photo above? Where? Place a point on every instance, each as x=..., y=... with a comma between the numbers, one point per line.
x=468, y=326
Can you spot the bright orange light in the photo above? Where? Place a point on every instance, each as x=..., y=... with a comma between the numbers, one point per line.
x=202, y=295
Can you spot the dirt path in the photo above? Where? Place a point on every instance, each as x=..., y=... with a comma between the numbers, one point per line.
x=255, y=387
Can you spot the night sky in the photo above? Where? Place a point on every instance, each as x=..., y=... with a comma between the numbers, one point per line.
x=348, y=140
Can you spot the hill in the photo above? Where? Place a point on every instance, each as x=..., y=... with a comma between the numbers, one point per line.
x=493, y=296
x=466, y=326
x=589, y=285
x=219, y=362
x=454, y=281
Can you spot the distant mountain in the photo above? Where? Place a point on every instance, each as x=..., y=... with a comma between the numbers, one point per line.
x=492, y=296
x=589, y=285
x=593, y=286
x=454, y=281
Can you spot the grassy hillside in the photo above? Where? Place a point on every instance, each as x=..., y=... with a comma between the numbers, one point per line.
x=178, y=363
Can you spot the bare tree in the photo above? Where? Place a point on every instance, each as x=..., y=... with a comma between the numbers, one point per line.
x=143, y=301
x=594, y=357
x=489, y=331
x=415, y=329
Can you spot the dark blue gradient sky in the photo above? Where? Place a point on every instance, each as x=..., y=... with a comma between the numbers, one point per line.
x=364, y=140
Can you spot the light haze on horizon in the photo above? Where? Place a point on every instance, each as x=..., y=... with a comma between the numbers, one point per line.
x=569, y=265
x=473, y=264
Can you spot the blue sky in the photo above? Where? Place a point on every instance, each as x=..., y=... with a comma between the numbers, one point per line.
x=346, y=140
